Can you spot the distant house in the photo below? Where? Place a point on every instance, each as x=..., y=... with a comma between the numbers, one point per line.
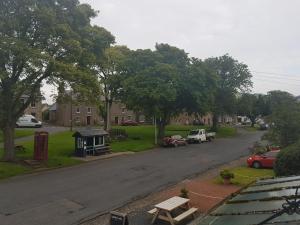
x=119, y=113
x=186, y=119
x=35, y=107
x=86, y=114
x=81, y=114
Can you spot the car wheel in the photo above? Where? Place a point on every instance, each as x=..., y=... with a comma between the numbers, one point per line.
x=256, y=165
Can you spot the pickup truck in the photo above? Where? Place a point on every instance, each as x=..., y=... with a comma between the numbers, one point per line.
x=200, y=135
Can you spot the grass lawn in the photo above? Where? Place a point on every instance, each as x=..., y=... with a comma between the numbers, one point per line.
x=226, y=132
x=61, y=146
x=245, y=175
x=10, y=169
x=19, y=133
x=251, y=129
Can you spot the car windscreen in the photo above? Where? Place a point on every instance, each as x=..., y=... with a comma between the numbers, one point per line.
x=194, y=132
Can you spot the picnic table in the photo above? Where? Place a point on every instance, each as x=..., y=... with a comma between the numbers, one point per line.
x=164, y=210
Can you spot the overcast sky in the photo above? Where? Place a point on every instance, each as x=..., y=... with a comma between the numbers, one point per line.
x=264, y=34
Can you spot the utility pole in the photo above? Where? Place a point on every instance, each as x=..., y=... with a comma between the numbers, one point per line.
x=155, y=131
x=71, y=112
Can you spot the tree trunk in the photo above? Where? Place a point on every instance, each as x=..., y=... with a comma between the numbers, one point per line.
x=108, y=115
x=137, y=117
x=215, y=123
x=161, y=130
x=9, y=143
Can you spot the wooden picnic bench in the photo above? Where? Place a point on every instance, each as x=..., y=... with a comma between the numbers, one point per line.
x=164, y=210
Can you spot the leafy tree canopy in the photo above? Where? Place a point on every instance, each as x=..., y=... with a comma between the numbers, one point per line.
x=44, y=40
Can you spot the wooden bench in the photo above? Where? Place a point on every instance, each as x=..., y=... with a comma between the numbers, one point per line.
x=185, y=214
x=152, y=211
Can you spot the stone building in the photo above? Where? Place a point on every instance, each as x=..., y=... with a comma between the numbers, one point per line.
x=35, y=107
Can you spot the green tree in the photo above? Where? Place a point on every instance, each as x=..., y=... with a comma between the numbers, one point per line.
x=166, y=82
x=233, y=77
x=41, y=41
x=252, y=106
x=284, y=118
x=110, y=68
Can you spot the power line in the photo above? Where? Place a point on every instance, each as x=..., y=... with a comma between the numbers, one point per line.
x=277, y=82
x=275, y=77
x=280, y=74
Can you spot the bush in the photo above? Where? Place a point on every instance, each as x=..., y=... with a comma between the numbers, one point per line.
x=226, y=174
x=287, y=162
x=184, y=193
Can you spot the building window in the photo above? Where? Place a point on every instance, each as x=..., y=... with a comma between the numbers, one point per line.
x=123, y=110
x=89, y=110
x=99, y=141
x=129, y=117
x=33, y=114
x=32, y=104
x=77, y=110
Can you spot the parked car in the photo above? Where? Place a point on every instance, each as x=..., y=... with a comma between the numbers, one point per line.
x=263, y=126
x=200, y=135
x=28, y=121
x=175, y=140
x=265, y=160
x=129, y=123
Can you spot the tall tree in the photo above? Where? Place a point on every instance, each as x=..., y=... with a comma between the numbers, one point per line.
x=233, y=77
x=41, y=41
x=284, y=119
x=166, y=82
x=252, y=106
x=110, y=69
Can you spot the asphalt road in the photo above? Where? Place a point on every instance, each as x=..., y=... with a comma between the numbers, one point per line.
x=65, y=196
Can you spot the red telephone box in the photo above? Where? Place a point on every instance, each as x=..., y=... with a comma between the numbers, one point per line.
x=41, y=146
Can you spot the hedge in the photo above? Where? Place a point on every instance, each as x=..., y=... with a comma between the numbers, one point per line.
x=288, y=161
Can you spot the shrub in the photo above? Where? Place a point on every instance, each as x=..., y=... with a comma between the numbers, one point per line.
x=226, y=174
x=287, y=162
x=184, y=193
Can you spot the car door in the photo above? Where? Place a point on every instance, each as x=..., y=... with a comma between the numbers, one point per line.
x=202, y=135
x=269, y=159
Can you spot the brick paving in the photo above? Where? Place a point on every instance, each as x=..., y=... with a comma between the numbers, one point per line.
x=203, y=192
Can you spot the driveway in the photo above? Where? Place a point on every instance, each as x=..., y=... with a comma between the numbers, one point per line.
x=66, y=196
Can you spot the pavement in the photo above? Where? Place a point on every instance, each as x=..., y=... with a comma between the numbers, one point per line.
x=203, y=193
x=67, y=196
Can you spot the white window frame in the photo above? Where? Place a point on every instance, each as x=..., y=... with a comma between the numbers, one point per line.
x=89, y=110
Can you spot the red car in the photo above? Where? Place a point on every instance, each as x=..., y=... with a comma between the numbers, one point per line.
x=175, y=140
x=266, y=160
x=129, y=123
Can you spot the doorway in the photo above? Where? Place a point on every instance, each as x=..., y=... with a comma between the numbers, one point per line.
x=88, y=120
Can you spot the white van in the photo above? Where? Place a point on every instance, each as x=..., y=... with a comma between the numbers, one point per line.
x=28, y=121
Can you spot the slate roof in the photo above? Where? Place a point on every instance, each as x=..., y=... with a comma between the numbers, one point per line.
x=90, y=132
x=257, y=203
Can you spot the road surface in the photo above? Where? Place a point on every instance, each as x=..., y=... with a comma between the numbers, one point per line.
x=66, y=196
